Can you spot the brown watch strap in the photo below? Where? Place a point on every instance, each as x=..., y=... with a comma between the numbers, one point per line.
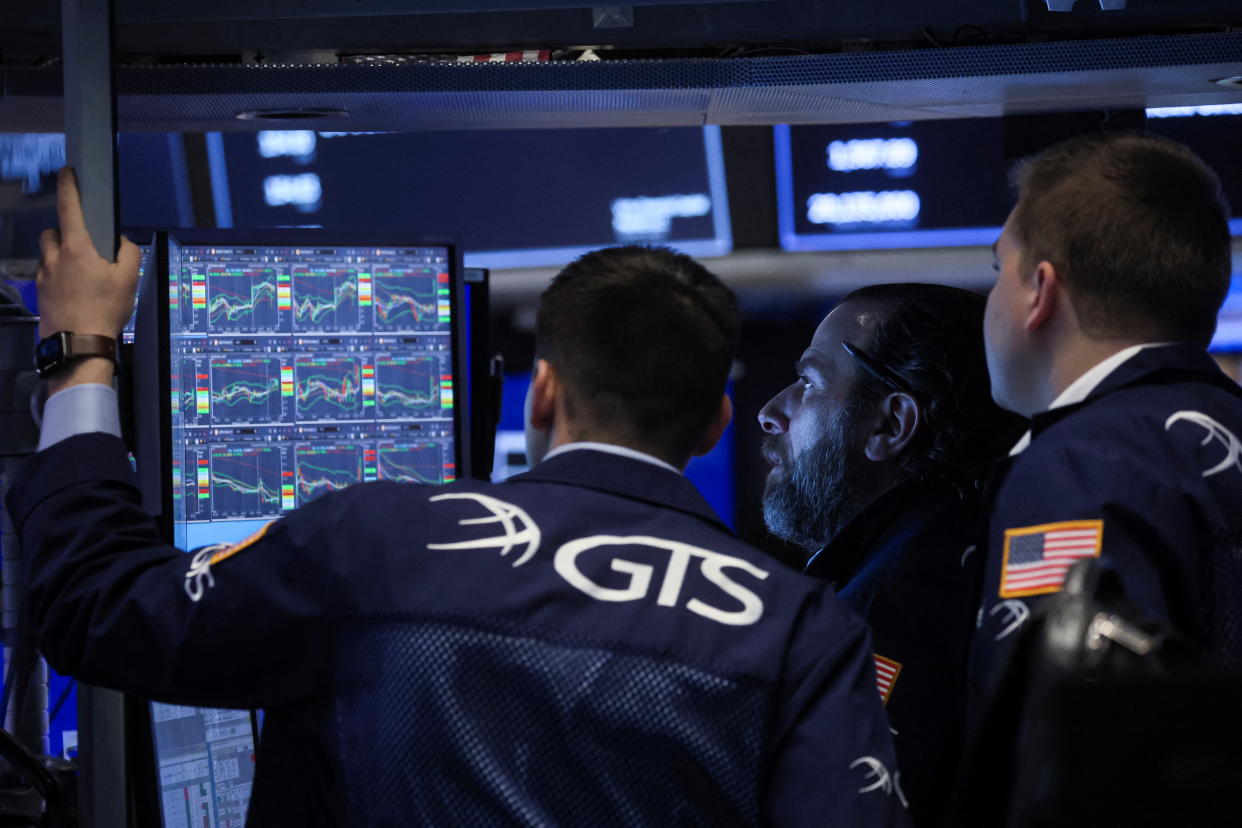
x=91, y=345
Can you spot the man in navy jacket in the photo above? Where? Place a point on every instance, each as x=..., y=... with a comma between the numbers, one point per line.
x=1112, y=269
x=584, y=644
x=878, y=450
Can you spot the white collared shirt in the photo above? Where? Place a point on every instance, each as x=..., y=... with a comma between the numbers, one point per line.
x=79, y=409
x=609, y=448
x=1081, y=388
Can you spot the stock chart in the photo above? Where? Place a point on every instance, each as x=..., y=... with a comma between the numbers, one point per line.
x=247, y=390
x=328, y=387
x=245, y=481
x=327, y=468
x=245, y=299
x=412, y=462
x=407, y=384
x=325, y=299
x=414, y=299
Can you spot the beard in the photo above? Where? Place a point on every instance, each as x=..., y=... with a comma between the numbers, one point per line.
x=809, y=499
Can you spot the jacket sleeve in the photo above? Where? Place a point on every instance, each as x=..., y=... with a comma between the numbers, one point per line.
x=834, y=759
x=1070, y=505
x=111, y=604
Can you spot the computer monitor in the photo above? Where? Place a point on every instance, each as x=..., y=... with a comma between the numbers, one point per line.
x=272, y=368
x=1228, y=338
x=301, y=363
x=205, y=763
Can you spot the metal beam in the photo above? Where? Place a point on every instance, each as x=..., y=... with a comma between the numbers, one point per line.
x=90, y=143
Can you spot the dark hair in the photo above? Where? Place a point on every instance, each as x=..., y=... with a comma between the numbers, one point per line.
x=1136, y=225
x=931, y=338
x=644, y=338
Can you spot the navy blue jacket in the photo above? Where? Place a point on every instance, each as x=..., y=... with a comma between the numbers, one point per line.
x=907, y=565
x=1145, y=473
x=584, y=644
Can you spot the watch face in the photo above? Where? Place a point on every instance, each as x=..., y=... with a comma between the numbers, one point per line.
x=50, y=354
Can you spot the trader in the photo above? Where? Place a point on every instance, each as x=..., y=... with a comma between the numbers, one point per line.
x=583, y=644
x=1112, y=268
x=878, y=449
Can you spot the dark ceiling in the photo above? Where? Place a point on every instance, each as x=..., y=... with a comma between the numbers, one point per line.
x=367, y=63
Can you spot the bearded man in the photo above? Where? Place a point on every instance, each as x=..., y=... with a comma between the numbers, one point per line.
x=878, y=451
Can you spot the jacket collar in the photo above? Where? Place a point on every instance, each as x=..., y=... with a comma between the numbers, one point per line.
x=624, y=476
x=1152, y=366
x=843, y=556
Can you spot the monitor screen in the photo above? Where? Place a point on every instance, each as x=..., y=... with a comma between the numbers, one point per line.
x=300, y=368
x=906, y=184
x=518, y=198
x=1228, y=338
x=712, y=473
x=939, y=183
x=205, y=760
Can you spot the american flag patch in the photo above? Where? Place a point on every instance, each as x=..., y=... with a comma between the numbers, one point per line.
x=1037, y=557
x=886, y=671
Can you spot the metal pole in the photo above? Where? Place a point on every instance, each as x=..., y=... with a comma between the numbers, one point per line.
x=90, y=143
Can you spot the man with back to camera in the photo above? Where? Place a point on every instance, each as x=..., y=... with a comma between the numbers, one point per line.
x=878, y=449
x=1112, y=269
x=583, y=644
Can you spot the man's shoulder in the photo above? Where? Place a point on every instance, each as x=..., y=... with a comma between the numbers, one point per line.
x=927, y=555
x=560, y=511
x=1141, y=429
x=621, y=570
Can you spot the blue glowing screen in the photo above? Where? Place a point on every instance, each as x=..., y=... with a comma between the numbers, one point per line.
x=712, y=474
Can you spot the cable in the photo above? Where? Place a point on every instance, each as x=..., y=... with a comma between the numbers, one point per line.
x=60, y=702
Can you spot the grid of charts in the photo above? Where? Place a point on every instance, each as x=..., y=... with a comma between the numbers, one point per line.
x=297, y=372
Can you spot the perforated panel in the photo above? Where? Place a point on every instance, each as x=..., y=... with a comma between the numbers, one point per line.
x=464, y=726
x=843, y=88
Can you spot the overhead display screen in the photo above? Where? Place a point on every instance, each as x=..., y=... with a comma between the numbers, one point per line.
x=909, y=184
x=516, y=198
x=297, y=371
x=939, y=183
x=1228, y=336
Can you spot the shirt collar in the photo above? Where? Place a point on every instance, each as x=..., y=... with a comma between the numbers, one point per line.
x=609, y=448
x=1081, y=388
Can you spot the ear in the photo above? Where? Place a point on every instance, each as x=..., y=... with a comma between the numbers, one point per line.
x=545, y=388
x=899, y=419
x=1046, y=297
x=724, y=416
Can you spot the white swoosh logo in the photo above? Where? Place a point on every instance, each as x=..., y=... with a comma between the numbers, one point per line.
x=1016, y=614
x=515, y=524
x=1214, y=431
x=875, y=771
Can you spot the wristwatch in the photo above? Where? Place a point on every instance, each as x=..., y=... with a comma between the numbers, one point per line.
x=62, y=348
